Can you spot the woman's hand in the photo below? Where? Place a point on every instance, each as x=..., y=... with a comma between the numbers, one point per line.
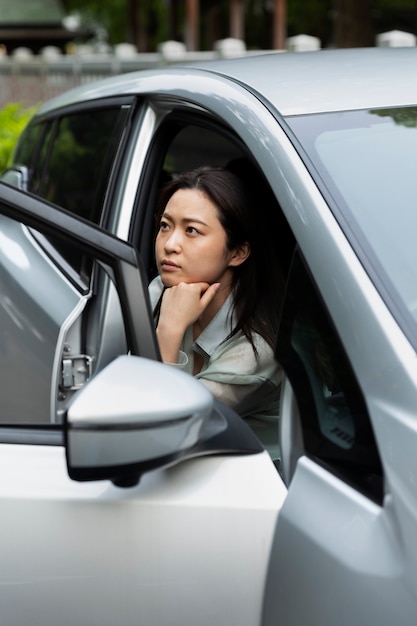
x=181, y=306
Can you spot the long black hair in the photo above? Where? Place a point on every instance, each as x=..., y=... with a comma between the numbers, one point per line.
x=256, y=283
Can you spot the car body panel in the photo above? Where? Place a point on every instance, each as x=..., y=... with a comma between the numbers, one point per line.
x=350, y=562
x=124, y=556
x=34, y=328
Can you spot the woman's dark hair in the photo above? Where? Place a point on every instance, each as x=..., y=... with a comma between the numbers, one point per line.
x=256, y=287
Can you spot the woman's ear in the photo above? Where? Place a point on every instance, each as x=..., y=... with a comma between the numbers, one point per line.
x=240, y=254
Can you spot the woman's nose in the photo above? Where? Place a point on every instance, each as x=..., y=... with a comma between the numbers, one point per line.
x=173, y=242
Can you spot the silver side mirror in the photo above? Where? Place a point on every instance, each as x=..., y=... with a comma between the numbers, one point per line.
x=17, y=176
x=134, y=415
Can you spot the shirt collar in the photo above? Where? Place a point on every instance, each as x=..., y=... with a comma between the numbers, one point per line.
x=219, y=328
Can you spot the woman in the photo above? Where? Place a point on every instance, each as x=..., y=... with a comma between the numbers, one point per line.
x=214, y=312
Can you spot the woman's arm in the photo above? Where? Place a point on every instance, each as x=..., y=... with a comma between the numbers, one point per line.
x=235, y=374
x=181, y=306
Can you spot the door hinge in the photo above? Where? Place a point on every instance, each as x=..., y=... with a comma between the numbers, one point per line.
x=76, y=370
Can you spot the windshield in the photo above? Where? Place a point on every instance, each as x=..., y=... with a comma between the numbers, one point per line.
x=367, y=167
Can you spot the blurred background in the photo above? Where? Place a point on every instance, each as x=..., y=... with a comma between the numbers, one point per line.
x=261, y=24
x=48, y=46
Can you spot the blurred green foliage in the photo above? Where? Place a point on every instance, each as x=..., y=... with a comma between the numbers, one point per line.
x=151, y=16
x=13, y=119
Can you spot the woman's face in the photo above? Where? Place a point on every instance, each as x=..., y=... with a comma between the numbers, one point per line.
x=191, y=243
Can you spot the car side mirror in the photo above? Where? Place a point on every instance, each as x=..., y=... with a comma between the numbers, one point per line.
x=133, y=416
x=17, y=176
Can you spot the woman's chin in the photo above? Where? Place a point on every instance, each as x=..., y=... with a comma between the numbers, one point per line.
x=170, y=281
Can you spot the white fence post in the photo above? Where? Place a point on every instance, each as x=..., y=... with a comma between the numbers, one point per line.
x=230, y=47
x=172, y=51
x=395, y=39
x=303, y=43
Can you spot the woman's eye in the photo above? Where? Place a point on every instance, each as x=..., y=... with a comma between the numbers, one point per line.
x=163, y=225
x=192, y=230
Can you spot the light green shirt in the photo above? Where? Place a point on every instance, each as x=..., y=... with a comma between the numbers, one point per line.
x=247, y=382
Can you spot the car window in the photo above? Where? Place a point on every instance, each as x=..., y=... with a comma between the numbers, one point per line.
x=180, y=145
x=76, y=173
x=336, y=427
x=212, y=147
x=27, y=149
x=184, y=143
x=71, y=167
x=38, y=157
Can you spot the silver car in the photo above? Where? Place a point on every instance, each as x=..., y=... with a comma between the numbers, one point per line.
x=127, y=494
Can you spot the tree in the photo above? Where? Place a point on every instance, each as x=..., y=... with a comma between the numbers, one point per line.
x=314, y=17
x=110, y=14
x=352, y=23
x=339, y=23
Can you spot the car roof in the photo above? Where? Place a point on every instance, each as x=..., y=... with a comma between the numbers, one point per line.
x=295, y=83
x=330, y=80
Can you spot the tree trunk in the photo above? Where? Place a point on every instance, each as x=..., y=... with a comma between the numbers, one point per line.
x=352, y=24
x=237, y=29
x=137, y=24
x=279, y=24
x=173, y=20
x=192, y=39
x=132, y=21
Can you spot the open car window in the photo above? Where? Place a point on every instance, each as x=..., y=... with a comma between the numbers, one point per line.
x=184, y=142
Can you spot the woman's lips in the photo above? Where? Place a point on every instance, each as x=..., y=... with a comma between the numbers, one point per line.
x=168, y=266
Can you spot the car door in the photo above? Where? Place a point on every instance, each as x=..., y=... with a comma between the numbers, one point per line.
x=341, y=551
x=69, y=158
x=39, y=316
x=169, y=512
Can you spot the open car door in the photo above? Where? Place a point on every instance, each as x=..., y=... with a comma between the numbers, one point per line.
x=169, y=513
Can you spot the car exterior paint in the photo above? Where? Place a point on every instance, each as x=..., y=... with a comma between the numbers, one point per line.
x=110, y=552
